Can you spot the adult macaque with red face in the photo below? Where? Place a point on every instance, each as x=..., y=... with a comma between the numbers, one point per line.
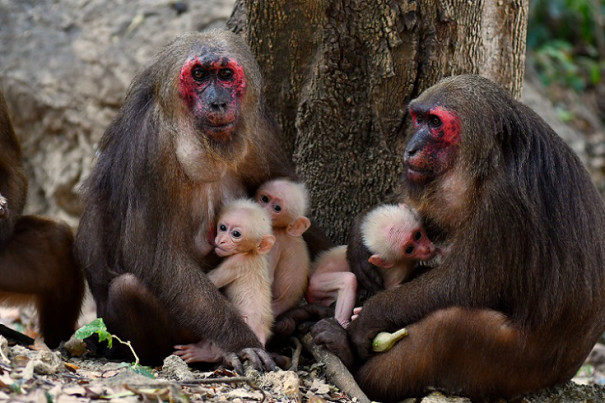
x=193, y=134
x=524, y=271
x=36, y=260
x=244, y=238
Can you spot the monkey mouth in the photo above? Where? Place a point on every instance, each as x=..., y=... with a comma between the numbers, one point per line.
x=220, y=252
x=418, y=175
x=221, y=132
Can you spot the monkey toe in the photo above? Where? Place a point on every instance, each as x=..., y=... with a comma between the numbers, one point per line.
x=258, y=358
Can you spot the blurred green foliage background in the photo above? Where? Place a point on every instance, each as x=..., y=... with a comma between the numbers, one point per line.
x=566, y=43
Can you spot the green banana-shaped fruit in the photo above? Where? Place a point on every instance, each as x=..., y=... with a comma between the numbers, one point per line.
x=383, y=341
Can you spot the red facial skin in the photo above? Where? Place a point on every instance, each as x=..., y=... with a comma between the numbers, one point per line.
x=213, y=88
x=418, y=246
x=432, y=148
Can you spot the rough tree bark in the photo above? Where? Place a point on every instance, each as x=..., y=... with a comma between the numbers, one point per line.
x=339, y=74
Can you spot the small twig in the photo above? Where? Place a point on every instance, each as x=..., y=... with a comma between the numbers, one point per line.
x=335, y=370
x=224, y=379
x=127, y=343
x=295, y=354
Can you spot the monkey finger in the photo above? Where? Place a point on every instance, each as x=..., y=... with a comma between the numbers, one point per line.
x=329, y=333
x=284, y=327
x=233, y=361
x=268, y=362
x=250, y=355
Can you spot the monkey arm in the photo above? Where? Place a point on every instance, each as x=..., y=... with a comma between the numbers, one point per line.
x=393, y=309
x=224, y=274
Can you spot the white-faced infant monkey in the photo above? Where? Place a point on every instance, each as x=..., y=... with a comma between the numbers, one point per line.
x=243, y=238
x=289, y=262
x=395, y=237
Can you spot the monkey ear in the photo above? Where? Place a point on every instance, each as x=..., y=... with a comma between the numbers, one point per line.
x=298, y=226
x=266, y=244
x=376, y=260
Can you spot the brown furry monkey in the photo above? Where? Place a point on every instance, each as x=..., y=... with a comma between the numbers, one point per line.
x=36, y=259
x=523, y=274
x=193, y=133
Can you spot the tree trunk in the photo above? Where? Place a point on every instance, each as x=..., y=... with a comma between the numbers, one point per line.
x=339, y=74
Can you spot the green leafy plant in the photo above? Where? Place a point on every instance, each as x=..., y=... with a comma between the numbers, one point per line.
x=98, y=326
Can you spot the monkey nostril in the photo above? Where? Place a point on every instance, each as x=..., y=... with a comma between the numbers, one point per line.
x=409, y=153
x=218, y=105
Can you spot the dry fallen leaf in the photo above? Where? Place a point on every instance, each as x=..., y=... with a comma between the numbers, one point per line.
x=71, y=367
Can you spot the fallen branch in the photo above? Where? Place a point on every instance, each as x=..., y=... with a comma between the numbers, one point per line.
x=335, y=370
x=295, y=354
x=16, y=336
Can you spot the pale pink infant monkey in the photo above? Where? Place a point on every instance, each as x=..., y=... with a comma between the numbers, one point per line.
x=395, y=237
x=244, y=237
x=287, y=202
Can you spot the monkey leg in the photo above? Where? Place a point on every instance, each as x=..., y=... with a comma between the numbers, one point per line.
x=339, y=286
x=37, y=265
x=134, y=313
x=477, y=353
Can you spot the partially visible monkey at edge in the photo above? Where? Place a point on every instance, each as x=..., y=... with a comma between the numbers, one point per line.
x=36, y=261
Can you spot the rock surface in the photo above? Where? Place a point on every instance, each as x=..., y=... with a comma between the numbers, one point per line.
x=65, y=68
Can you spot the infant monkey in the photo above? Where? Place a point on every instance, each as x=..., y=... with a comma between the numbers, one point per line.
x=395, y=237
x=286, y=202
x=244, y=238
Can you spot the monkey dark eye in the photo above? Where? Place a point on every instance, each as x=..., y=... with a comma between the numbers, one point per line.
x=417, y=236
x=277, y=208
x=222, y=227
x=236, y=234
x=434, y=121
x=198, y=73
x=409, y=250
x=225, y=74
x=264, y=199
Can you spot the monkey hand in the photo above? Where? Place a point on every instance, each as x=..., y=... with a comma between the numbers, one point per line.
x=329, y=333
x=362, y=333
x=288, y=322
x=3, y=207
x=257, y=357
